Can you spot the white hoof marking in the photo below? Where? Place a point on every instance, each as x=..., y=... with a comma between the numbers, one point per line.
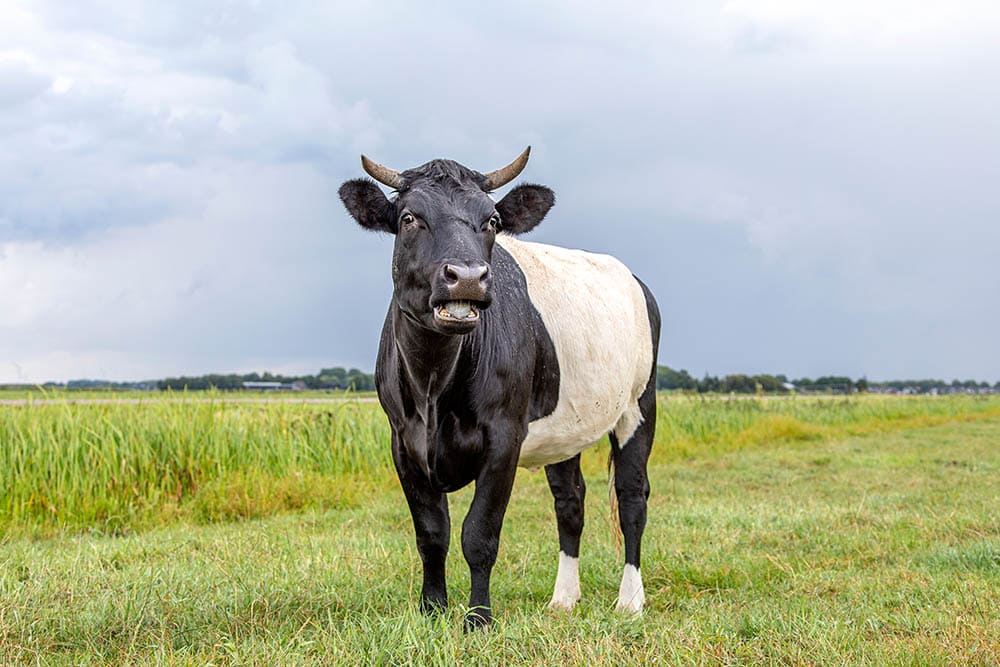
x=631, y=596
x=567, y=591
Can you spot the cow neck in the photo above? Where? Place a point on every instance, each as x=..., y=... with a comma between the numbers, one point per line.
x=428, y=359
x=428, y=362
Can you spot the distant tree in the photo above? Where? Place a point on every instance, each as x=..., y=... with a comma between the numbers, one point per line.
x=358, y=381
x=707, y=384
x=333, y=378
x=669, y=379
x=770, y=384
x=834, y=383
x=738, y=383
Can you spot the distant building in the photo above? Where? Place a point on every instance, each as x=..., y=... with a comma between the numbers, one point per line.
x=275, y=386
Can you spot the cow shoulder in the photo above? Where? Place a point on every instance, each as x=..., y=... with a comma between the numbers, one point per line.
x=518, y=336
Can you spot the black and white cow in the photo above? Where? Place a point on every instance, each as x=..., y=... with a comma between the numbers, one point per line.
x=498, y=353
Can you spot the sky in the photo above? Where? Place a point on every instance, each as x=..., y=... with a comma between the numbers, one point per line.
x=808, y=188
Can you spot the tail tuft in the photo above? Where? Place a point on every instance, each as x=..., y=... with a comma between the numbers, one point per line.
x=613, y=500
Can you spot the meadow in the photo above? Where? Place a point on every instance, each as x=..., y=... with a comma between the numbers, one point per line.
x=801, y=530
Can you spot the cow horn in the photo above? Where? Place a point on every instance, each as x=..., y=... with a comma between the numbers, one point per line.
x=501, y=177
x=382, y=174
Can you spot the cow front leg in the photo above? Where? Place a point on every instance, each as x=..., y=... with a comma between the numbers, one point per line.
x=432, y=524
x=481, y=533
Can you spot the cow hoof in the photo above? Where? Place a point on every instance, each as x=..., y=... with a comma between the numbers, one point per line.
x=477, y=619
x=630, y=607
x=433, y=606
x=564, y=602
x=631, y=595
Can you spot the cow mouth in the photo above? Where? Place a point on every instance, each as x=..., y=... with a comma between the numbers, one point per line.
x=457, y=312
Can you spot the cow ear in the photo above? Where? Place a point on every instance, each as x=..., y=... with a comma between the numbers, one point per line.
x=524, y=207
x=368, y=205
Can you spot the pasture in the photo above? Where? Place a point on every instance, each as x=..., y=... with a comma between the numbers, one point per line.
x=802, y=530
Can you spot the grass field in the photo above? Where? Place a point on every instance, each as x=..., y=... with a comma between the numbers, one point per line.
x=37, y=393
x=816, y=531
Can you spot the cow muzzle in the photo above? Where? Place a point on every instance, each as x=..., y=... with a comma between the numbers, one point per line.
x=461, y=292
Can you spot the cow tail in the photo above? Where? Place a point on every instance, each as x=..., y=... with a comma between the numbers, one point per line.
x=616, y=522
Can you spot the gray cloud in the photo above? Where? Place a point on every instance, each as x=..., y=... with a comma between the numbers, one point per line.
x=807, y=192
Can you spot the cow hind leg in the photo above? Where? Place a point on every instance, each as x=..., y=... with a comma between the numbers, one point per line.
x=629, y=456
x=568, y=490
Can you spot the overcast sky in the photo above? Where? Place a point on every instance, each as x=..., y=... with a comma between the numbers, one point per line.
x=808, y=187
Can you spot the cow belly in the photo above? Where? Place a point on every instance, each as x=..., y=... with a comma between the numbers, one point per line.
x=595, y=313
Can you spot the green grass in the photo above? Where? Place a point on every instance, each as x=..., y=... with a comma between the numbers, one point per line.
x=801, y=547
x=120, y=467
x=117, y=468
x=37, y=392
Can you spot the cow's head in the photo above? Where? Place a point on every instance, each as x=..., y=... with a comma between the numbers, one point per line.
x=445, y=224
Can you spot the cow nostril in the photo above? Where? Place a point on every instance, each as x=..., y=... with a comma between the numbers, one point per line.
x=471, y=279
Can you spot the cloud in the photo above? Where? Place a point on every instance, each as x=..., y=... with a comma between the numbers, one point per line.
x=20, y=83
x=820, y=175
x=249, y=271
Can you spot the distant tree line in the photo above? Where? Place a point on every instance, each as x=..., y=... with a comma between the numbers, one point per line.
x=668, y=379
x=90, y=385
x=328, y=378
x=106, y=384
x=937, y=386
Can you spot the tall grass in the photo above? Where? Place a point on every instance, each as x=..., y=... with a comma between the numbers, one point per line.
x=118, y=467
x=689, y=425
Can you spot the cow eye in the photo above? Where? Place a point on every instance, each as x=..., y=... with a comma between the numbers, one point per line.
x=408, y=220
x=493, y=223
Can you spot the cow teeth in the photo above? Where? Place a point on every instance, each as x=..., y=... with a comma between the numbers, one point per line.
x=458, y=309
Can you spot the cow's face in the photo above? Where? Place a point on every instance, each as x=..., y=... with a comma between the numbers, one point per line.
x=445, y=224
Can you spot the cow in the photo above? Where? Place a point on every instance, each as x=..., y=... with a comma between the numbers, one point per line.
x=498, y=353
